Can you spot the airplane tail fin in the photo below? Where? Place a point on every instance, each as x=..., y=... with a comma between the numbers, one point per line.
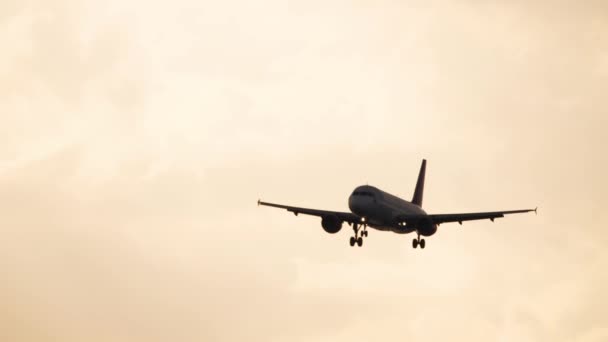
x=417, y=199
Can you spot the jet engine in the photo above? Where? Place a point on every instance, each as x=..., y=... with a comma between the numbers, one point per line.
x=331, y=224
x=426, y=227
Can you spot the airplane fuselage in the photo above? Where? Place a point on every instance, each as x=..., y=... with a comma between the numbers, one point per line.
x=382, y=211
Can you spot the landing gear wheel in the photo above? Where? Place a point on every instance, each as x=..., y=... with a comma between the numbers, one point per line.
x=422, y=243
x=415, y=243
x=360, y=241
x=352, y=241
x=364, y=233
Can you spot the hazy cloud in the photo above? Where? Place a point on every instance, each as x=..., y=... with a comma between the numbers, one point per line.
x=136, y=138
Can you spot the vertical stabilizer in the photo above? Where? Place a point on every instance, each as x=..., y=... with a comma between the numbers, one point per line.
x=417, y=199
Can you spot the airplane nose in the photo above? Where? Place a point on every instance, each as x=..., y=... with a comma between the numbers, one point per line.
x=351, y=204
x=355, y=205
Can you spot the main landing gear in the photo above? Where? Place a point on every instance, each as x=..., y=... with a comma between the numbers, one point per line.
x=417, y=242
x=358, y=239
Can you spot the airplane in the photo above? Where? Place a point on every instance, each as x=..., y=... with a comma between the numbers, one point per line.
x=374, y=208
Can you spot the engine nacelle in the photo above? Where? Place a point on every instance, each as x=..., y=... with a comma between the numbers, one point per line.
x=426, y=227
x=331, y=224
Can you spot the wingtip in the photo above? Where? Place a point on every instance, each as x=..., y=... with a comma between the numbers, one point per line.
x=536, y=210
x=259, y=201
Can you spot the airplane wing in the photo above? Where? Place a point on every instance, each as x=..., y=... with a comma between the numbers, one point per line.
x=347, y=217
x=444, y=218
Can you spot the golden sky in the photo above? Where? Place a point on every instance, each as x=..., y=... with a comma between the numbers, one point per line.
x=137, y=136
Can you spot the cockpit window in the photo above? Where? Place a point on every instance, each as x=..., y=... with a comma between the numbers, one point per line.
x=363, y=193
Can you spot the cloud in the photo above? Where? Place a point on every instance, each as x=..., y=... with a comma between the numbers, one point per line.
x=136, y=138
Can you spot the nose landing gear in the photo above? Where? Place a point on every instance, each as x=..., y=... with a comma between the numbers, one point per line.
x=358, y=239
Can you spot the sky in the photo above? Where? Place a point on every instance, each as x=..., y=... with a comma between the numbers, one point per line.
x=136, y=138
